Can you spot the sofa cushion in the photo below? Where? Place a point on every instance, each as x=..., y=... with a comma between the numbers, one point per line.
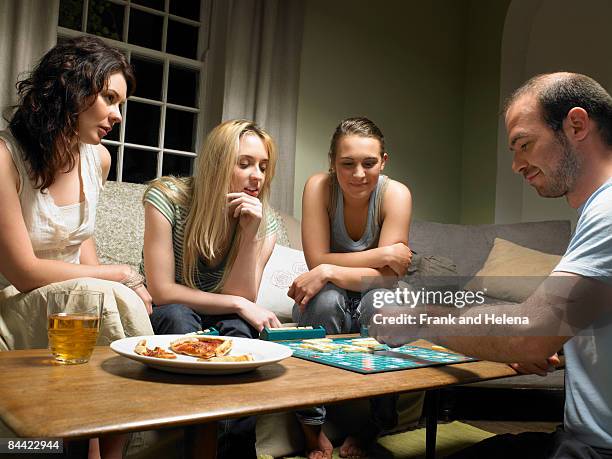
x=120, y=223
x=469, y=245
x=512, y=272
x=284, y=266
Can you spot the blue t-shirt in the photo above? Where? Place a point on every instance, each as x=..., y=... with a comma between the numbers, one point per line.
x=588, y=377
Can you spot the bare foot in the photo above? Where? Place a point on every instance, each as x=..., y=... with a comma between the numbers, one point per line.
x=354, y=447
x=318, y=445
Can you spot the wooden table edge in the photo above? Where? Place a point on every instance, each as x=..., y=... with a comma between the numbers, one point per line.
x=206, y=417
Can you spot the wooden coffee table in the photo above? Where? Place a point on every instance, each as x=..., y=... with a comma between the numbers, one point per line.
x=112, y=394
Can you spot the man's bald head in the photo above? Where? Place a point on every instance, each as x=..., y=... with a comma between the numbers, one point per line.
x=557, y=93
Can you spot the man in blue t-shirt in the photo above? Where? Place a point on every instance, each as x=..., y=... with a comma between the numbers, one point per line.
x=560, y=131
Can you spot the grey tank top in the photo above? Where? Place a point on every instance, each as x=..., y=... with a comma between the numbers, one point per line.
x=341, y=242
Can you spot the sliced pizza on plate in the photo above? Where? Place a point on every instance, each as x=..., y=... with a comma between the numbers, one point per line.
x=203, y=347
x=142, y=349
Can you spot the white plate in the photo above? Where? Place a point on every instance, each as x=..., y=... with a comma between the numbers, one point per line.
x=263, y=352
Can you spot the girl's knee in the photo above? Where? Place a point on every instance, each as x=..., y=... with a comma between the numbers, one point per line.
x=371, y=302
x=329, y=299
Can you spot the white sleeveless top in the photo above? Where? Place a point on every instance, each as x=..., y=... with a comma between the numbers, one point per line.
x=52, y=237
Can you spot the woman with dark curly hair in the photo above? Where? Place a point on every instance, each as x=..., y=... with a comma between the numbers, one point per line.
x=52, y=170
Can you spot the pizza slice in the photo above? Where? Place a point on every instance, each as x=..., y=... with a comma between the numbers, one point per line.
x=142, y=349
x=204, y=347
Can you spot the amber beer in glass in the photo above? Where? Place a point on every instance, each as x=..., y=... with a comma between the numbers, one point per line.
x=73, y=324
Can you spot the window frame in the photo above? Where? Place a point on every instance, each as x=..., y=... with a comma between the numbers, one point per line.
x=166, y=59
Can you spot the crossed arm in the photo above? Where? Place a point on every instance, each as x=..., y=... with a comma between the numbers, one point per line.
x=348, y=270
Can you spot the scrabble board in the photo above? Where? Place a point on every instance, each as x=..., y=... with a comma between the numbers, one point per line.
x=367, y=363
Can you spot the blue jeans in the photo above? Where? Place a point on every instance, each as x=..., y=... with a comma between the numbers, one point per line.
x=236, y=437
x=178, y=319
x=343, y=311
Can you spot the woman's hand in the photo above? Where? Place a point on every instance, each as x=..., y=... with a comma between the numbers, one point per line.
x=307, y=285
x=397, y=257
x=257, y=316
x=143, y=293
x=134, y=280
x=124, y=272
x=247, y=209
x=540, y=368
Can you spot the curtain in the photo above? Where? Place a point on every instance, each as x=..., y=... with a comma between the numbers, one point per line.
x=28, y=28
x=254, y=62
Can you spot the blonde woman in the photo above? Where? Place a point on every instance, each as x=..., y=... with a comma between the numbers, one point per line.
x=208, y=237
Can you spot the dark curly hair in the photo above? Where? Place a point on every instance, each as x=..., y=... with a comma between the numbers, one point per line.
x=65, y=83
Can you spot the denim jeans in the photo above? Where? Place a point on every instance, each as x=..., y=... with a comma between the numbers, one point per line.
x=170, y=319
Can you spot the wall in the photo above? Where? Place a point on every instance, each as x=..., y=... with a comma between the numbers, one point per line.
x=545, y=36
x=402, y=64
x=481, y=108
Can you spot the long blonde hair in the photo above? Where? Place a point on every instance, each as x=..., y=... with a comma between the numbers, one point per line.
x=207, y=224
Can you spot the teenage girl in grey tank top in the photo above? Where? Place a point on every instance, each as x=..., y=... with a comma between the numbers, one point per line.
x=355, y=225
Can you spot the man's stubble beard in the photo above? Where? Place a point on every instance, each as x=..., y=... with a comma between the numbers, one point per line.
x=563, y=178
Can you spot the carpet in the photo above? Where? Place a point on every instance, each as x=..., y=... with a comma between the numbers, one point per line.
x=411, y=445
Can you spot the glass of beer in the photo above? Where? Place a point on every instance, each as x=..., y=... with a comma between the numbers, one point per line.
x=73, y=324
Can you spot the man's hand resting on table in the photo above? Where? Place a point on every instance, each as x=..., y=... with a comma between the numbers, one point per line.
x=542, y=368
x=390, y=336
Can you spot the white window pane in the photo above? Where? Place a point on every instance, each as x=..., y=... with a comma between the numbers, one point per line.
x=112, y=173
x=149, y=76
x=139, y=166
x=145, y=29
x=71, y=14
x=182, y=39
x=180, y=130
x=178, y=165
x=183, y=86
x=105, y=19
x=155, y=4
x=189, y=9
x=142, y=125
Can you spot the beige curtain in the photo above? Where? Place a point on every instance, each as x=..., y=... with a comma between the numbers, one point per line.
x=254, y=63
x=28, y=28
